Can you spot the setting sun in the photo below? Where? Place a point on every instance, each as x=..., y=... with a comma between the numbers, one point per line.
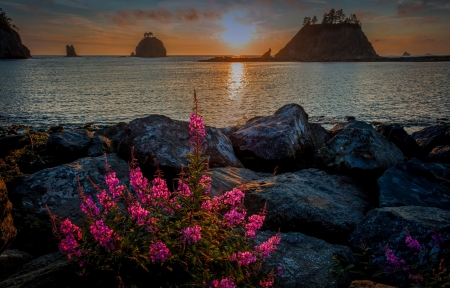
x=236, y=32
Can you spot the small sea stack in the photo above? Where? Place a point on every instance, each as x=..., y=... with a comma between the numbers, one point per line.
x=267, y=54
x=150, y=46
x=406, y=54
x=70, y=51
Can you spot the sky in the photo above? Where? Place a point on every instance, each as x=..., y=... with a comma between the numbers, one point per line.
x=220, y=27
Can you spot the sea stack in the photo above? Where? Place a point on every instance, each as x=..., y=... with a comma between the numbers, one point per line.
x=70, y=51
x=329, y=42
x=150, y=46
x=267, y=54
x=406, y=54
x=11, y=46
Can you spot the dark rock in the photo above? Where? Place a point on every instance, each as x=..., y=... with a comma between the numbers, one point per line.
x=412, y=184
x=327, y=42
x=439, y=170
x=359, y=152
x=11, y=46
x=401, y=139
x=69, y=146
x=267, y=54
x=132, y=54
x=56, y=129
x=7, y=230
x=100, y=145
x=349, y=118
x=309, y=201
x=305, y=260
x=367, y=284
x=227, y=178
x=70, y=51
x=113, y=133
x=384, y=226
x=11, y=259
x=9, y=143
x=439, y=154
x=228, y=131
x=150, y=47
x=432, y=136
x=406, y=54
x=284, y=139
x=338, y=128
x=320, y=134
x=167, y=140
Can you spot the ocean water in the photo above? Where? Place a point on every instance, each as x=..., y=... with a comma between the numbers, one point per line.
x=49, y=90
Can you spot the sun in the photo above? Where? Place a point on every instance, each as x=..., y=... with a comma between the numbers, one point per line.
x=236, y=33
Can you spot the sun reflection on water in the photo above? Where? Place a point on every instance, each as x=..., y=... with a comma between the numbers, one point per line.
x=236, y=81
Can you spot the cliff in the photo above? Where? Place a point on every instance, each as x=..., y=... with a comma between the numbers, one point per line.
x=150, y=47
x=328, y=42
x=267, y=54
x=70, y=51
x=11, y=46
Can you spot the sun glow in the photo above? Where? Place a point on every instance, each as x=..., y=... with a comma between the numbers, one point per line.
x=236, y=32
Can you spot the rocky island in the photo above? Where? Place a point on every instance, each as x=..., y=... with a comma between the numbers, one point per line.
x=11, y=46
x=70, y=51
x=150, y=47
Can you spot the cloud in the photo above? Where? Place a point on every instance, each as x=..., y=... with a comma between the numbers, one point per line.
x=427, y=20
x=410, y=7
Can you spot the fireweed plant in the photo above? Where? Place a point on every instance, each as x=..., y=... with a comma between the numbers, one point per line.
x=176, y=239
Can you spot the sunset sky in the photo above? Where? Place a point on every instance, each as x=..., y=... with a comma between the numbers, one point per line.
x=219, y=27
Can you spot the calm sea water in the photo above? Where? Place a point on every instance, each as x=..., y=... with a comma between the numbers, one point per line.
x=105, y=90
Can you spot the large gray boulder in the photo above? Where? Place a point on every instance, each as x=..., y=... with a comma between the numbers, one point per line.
x=7, y=230
x=339, y=127
x=227, y=178
x=113, y=133
x=432, y=136
x=69, y=146
x=412, y=184
x=305, y=260
x=397, y=135
x=359, y=152
x=166, y=140
x=309, y=201
x=386, y=226
x=278, y=140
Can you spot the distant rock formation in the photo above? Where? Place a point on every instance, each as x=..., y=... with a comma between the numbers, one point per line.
x=70, y=51
x=329, y=42
x=132, y=54
x=406, y=54
x=267, y=54
x=11, y=46
x=428, y=54
x=150, y=47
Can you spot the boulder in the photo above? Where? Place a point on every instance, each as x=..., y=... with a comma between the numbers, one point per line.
x=439, y=154
x=11, y=259
x=305, y=260
x=9, y=143
x=412, y=184
x=401, y=139
x=227, y=178
x=309, y=201
x=167, y=140
x=320, y=134
x=150, y=47
x=283, y=139
x=386, y=226
x=7, y=230
x=70, y=51
x=339, y=127
x=359, y=152
x=100, y=145
x=368, y=284
x=11, y=46
x=113, y=133
x=440, y=170
x=69, y=146
x=432, y=136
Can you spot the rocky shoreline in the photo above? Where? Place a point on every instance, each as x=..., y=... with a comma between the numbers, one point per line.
x=327, y=190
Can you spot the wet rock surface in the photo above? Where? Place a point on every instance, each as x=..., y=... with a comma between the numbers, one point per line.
x=7, y=230
x=430, y=137
x=69, y=146
x=11, y=259
x=228, y=178
x=439, y=154
x=305, y=260
x=100, y=145
x=309, y=201
x=401, y=139
x=412, y=184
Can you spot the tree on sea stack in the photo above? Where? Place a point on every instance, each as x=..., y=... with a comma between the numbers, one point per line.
x=148, y=234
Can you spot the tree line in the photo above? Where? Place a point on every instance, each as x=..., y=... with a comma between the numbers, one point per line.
x=5, y=20
x=333, y=17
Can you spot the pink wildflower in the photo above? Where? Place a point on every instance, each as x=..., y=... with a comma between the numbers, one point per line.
x=197, y=129
x=103, y=234
x=205, y=182
x=160, y=192
x=139, y=214
x=267, y=282
x=159, y=251
x=254, y=223
x=207, y=205
x=280, y=271
x=183, y=189
x=411, y=242
x=113, y=184
x=89, y=208
x=224, y=283
x=106, y=201
x=243, y=258
x=415, y=278
x=67, y=228
x=437, y=239
x=137, y=180
x=233, y=197
x=393, y=260
x=234, y=217
x=268, y=247
x=191, y=234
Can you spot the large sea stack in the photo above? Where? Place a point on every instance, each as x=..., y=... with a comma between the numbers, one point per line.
x=329, y=42
x=11, y=46
x=150, y=47
x=70, y=51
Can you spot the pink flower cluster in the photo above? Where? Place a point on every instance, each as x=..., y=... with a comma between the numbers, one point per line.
x=159, y=251
x=224, y=283
x=103, y=234
x=267, y=282
x=205, y=182
x=197, y=129
x=412, y=243
x=234, y=217
x=393, y=260
x=71, y=234
x=113, y=184
x=268, y=247
x=142, y=216
x=254, y=223
x=233, y=197
x=243, y=258
x=89, y=208
x=183, y=189
x=191, y=234
x=415, y=278
x=137, y=180
x=437, y=239
x=105, y=201
x=160, y=192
